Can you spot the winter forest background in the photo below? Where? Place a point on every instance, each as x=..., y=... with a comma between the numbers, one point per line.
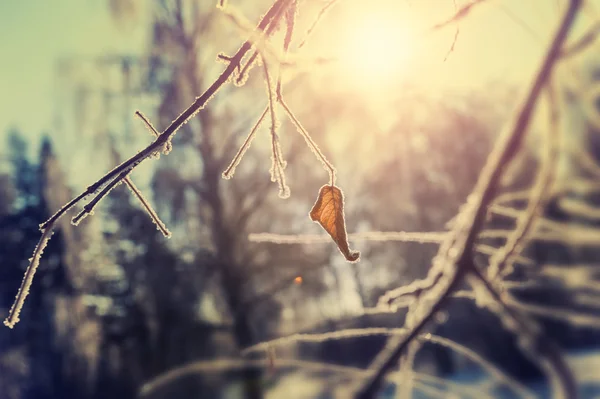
x=406, y=113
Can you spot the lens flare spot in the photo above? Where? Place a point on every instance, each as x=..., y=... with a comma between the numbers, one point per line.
x=378, y=48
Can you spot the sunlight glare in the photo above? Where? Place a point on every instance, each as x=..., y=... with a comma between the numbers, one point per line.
x=378, y=48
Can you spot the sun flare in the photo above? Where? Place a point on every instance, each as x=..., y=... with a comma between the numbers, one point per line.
x=378, y=48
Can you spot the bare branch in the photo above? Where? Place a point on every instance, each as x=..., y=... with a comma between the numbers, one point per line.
x=456, y=32
x=582, y=43
x=88, y=208
x=153, y=131
x=460, y=14
x=454, y=254
x=535, y=344
x=222, y=365
x=34, y=262
x=501, y=261
x=278, y=165
x=311, y=144
x=118, y=174
x=320, y=15
x=402, y=236
x=378, y=331
x=229, y=172
x=153, y=215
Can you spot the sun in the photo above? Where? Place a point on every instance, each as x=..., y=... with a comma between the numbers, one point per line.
x=377, y=48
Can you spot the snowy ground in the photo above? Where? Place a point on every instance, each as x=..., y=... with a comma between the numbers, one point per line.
x=585, y=366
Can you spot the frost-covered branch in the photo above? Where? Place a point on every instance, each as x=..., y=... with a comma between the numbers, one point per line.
x=501, y=262
x=454, y=256
x=102, y=186
x=379, y=331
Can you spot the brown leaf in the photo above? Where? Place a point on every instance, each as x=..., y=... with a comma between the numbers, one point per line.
x=328, y=211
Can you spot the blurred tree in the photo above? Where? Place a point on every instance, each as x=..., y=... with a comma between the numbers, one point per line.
x=132, y=305
x=218, y=215
x=36, y=343
x=209, y=260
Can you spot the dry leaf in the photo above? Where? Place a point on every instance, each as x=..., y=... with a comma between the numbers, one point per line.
x=328, y=211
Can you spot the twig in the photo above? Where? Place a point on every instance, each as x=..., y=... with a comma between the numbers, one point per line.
x=519, y=21
x=290, y=22
x=451, y=49
x=229, y=172
x=460, y=14
x=581, y=44
x=268, y=30
x=316, y=21
x=402, y=236
x=243, y=73
x=88, y=209
x=154, y=132
x=277, y=163
x=456, y=32
x=311, y=144
x=381, y=236
x=138, y=194
x=381, y=331
x=538, y=343
x=15, y=310
x=222, y=365
x=501, y=261
x=153, y=215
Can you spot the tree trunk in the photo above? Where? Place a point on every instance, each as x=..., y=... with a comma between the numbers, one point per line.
x=232, y=281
